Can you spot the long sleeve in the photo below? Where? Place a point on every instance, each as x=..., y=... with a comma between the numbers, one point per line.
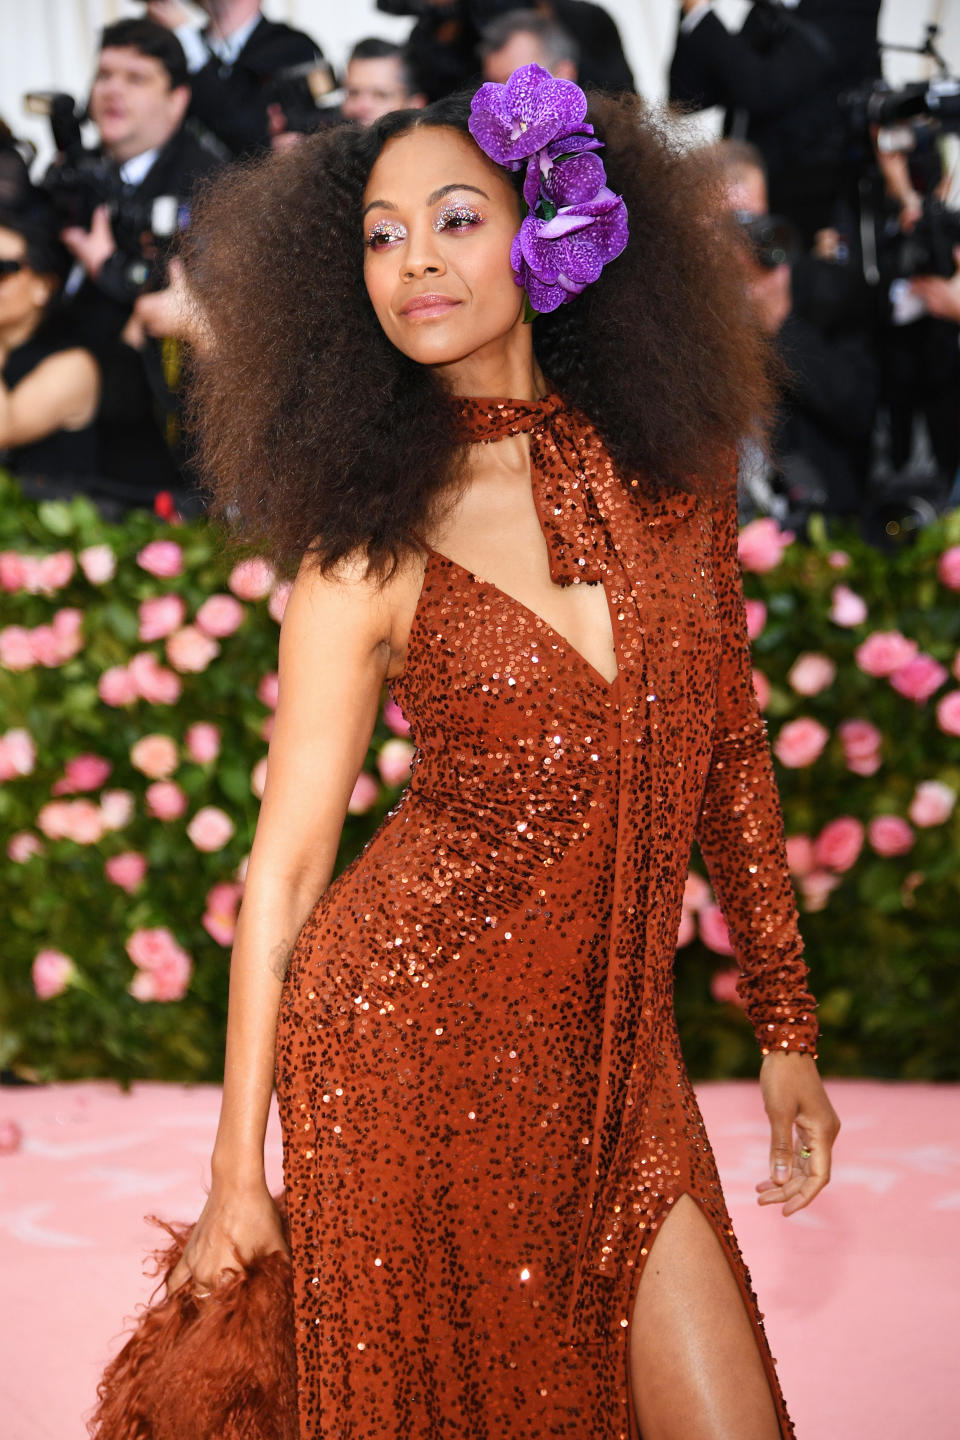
x=711, y=66
x=741, y=832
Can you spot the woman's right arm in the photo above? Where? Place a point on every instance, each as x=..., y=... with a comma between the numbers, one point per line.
x=62, y=393
x=334, y=652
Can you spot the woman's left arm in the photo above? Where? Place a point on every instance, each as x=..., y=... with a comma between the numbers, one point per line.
x=62, y=393
x=741, y=837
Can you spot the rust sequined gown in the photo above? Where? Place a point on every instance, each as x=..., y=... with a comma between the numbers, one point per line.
x=485, y=1110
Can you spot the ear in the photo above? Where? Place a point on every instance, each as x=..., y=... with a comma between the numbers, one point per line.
x=180, y=102
x=564, y=70
x=43, y=289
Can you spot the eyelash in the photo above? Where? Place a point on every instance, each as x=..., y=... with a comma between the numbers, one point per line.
x=455, y=217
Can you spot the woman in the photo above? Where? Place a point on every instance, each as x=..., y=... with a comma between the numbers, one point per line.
x=505, y=1217
x=49, y=383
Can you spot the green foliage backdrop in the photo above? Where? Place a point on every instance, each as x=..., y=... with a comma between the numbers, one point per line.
x=135, y=715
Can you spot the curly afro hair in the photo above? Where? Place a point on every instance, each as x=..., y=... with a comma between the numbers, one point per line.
x=315, y=434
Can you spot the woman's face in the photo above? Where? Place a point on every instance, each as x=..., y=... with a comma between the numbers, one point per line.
x=438, y=221
x=23, y=293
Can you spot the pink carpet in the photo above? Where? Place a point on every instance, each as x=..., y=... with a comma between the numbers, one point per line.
x=861, y=1291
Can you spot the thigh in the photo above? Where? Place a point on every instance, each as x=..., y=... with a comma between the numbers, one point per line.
x=695, y=1364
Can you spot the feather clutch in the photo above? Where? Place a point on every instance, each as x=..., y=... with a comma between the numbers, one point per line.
x=221, y=1367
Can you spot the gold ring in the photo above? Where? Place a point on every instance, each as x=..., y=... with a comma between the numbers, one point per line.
x=805, y=1153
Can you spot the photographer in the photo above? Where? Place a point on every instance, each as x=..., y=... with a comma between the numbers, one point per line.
x=444, y=42
x=236, y=64
x=379, y=78
x=522, y=37
x=779, y=79
x=131, y=197
x=821, y=440
x=49, y=383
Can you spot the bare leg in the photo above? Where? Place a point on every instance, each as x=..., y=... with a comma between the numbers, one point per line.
x=695, y=1367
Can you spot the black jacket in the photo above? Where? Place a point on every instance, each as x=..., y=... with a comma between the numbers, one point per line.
x=231, y=100
x=779, y=78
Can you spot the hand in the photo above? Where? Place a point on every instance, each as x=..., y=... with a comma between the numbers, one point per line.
x=171, y=311
x=941, y=296
x=794, y=1098
x=91, y=247
x=245, y=1216
x=169, y=13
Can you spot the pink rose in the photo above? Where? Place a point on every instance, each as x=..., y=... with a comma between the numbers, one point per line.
x=160, y=616
x=948, y=568
x=98, y=563
x=16, y=648
x=800, y=857
x=687, y=931
x=52, y=572
x=154, y=756
x=258, y=777
x=220, y=615
x=883, y=652
x=47, y=649
x=723, y=986
x=84, y=822
x=811, y=672
x=269, y=689
x=761, y=544
x=948, y=713
x=191, y=650
x=116, y=809
x=83, y=772
x=394, y=761
x=861, y=746
x=761, y=688
x=165, y=800
x=696, y=891
x=164, y=966
x=839, y=843
x=846, y=607
x=54, y=819
x=18, y=754
x=12, y=571
x=799, y=742
x=154, y=682
x=277, y=603
x=889, y=835
x=220, y=917
x=126, y=870
x=52, y=972
x=713, y=930
x=932, y=803
x=919, y=678
x=162, y=558
x=363, y=794
x=203, y=742
x=252, y=579
x=816, y=888
x=210, y=828
x=838, y=559
x=117, y=686
x=22, y=846
x=395, y=719
x=756, y=617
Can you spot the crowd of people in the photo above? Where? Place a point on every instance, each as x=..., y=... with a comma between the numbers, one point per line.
x=849, y=254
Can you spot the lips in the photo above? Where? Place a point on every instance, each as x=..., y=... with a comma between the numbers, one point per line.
x=430, y=304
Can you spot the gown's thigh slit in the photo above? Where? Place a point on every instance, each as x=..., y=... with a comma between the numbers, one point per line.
x=766, y=1356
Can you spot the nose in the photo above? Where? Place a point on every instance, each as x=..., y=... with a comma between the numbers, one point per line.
x=421, y=256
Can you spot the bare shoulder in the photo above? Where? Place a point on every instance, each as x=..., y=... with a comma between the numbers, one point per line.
x=349, y=607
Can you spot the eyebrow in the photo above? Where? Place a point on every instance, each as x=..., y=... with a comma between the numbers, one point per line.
x=431, y=199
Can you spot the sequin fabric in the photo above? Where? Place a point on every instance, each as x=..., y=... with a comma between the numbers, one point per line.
x=485, y=1110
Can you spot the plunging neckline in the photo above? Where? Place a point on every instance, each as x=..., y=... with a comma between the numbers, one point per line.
x=608, y=686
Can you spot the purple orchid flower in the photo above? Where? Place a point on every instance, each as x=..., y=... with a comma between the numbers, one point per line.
x=511, y=122
x=556, y=259
x=541, y=165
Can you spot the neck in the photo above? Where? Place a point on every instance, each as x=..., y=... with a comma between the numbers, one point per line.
x=506, y=367
x=120, y=154
x=17, y=333
x=228, y=15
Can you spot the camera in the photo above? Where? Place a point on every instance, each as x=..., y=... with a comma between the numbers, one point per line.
x=927, y=249
x=771, y=238
x=81, y=180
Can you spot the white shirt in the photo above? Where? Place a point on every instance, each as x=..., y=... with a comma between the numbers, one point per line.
x=198, y=48
x=692, y=19
x=135, y=170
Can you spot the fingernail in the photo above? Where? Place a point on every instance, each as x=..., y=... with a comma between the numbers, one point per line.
x=780, y=1169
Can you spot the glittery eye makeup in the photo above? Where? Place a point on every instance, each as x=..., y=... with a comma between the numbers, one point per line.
x=384, y=233
x=457, y=217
